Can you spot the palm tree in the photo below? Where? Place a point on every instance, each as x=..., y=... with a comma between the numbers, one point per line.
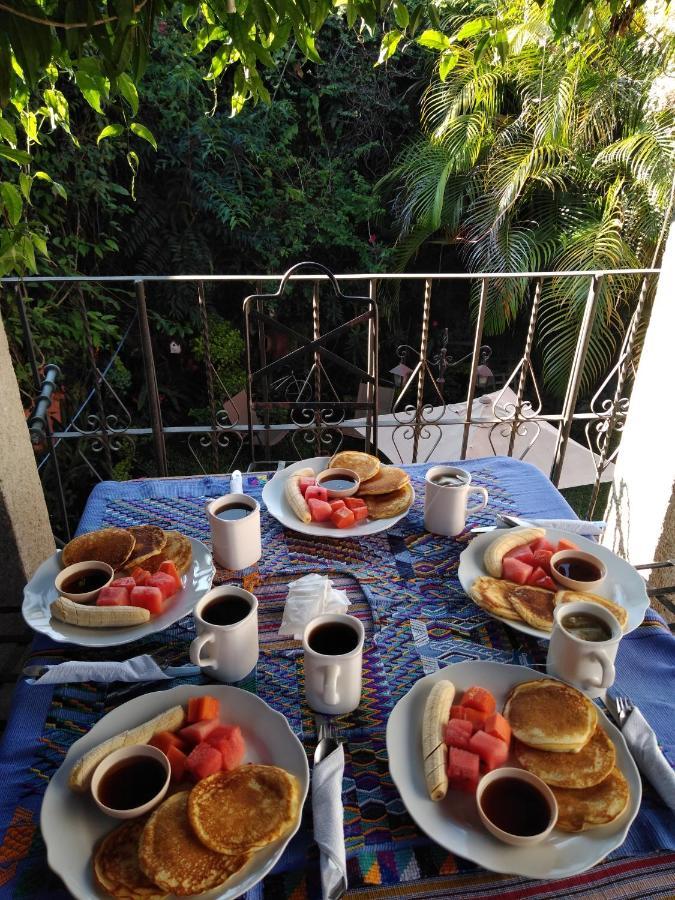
x=542, y=154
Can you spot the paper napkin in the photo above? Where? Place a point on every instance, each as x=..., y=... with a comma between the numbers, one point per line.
x=309, y=597
x=575, y=526
x=642, y=743
x=140, y=668
x=328, y=814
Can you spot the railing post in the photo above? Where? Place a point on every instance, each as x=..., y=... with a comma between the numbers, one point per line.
x=151, y=379
x=477, y=343
x=316, y=333
x=372, y=293
x=424, y=349
x=201, y=302
x=375, y=369
x=527, y=356
x=574, y=383
x=103, y=425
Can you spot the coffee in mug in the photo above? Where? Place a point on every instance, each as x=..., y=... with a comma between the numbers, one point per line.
x=446, y=495
x=226, y=646
x=583, y=646
x=234, y=520
x=333, y=645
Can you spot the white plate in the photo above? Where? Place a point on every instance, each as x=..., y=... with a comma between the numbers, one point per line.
x=40, y=592
x=624, y=585
x=453, y=822
x=71, y=823
x=276, y=503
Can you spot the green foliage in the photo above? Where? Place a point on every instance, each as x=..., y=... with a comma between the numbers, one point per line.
x=226, y=350
x=543, y=154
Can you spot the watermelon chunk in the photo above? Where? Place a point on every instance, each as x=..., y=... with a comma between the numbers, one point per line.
x=492, y=751
x=355, y=503
x=177, y=761
x=204, y=760
x=463, y=769
x=319, y=510
x=305, y=483
x=113, y=596
x=149, y=598
x=337, y=504
x=564, y=544
x=343, y=518
x=229, y=741
x=468, y=785
x=140, y=575
x=497, y=726
x=479, y=698
x=536, y=576
x=164, y=582
x=169, y=568
x=516, y=571
x=166, y=739
x=542, y=558
x=126, y=582
x=198, y=731
x=523, y=553
x=542, y=544
x=202, y=708
x=457, y=735
x=474, y=716
x=546, y=583
x=316, y=492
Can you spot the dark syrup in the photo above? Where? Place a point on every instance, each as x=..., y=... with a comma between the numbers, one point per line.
x=85, y=582
x=226, y=610
x=333, y=639
x=516, y=807
x=131, y=782
x=578, y=569
x=338, y=483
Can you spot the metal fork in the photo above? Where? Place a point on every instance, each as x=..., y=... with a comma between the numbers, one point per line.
x=624, y=707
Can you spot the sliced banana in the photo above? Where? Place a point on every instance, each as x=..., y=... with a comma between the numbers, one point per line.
x=497, y=550
x=97, y=616
x=294, y=495
x=434, y=749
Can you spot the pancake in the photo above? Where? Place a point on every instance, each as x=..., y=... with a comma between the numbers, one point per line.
x=550, y=715
x=109, y=545
x=363, y=464
x=172, y=856
x=150, y=539
x=493, y=595
x=245, y=809
x=387, y=480
x=177, y=548
x=117, y=869
x=591, y=765
x=620, y=613
x=534, y=606
x=598, y=805
x=384, y=506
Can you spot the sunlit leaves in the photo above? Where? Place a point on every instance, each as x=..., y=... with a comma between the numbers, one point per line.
x=110, y=131
x=434, y=40
x=11, y=202
x=128, y=91
x=143, y=132
x=92, y=83
x=390, y=42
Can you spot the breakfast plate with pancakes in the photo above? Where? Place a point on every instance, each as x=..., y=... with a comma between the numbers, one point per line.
x=594, y=815
x=385, y=490
x=530, y=609
x=85, y=845
x=145, y=546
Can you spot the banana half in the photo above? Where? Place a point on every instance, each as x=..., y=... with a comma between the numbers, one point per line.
x=497, y=550
x=434, y=749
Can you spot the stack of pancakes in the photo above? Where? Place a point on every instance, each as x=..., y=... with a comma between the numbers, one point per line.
x=385, y=490
x=126, y=548
x=557, y=737
x=532, y=605
x=197, y=839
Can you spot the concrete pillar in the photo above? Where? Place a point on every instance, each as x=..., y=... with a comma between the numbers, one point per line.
x=641, y=510
x=25, y=532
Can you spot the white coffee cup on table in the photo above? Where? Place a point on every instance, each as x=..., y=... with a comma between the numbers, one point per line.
x=583, y=646
x=446, y=495
x=333, y=645
x=226, y=646
x=234, y=520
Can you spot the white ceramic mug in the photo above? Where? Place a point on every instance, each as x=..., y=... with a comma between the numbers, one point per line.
x=232, y=648
x=445, y=505
x=587, y=665
x=333, y=680
x=236, y=543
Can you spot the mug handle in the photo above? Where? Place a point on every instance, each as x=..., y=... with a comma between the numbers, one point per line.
x=329, y=691
x=480, y=505
x=608, y=673
x=196, y=648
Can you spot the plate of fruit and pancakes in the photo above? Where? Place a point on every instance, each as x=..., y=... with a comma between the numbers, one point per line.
x=382, y=496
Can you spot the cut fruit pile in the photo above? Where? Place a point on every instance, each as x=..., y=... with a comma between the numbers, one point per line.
x=204, y=746
x=141, y=588
x=340, y=513
x=531, y=563
x=478, y=739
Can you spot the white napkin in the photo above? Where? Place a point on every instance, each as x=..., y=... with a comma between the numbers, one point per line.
x=309, y=597
x=328, y=813
x=140, y=668
x=642, y=743
x=575, y=526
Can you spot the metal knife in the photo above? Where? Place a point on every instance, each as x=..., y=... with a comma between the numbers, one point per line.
x=37, y=671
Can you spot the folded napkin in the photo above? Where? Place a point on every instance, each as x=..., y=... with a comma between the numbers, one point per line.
x=140, y=668
x=642, y=743
x=575, y=526
x=309, y=597
x=328, y=814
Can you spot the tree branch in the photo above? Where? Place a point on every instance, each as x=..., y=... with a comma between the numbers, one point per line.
x=52, y=23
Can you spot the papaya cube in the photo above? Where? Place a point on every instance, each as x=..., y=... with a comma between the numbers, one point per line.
x=177, y=761
x=169, y=568
x=497, y=726
x=166, y=739
x=200, y=708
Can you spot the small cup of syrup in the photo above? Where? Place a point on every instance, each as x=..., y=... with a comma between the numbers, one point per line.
x=516, y=806
x=339, y=483
x=83, y=581
x=131, y=781
x=578, y=571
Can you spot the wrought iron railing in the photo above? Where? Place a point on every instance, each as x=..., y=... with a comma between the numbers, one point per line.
x=420, y=412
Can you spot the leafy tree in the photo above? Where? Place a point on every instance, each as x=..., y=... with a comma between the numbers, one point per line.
x=543, y=154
